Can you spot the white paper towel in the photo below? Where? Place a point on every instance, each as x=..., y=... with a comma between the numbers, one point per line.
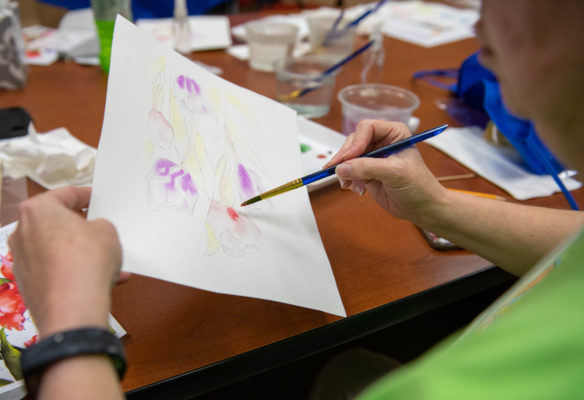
x=51, y=159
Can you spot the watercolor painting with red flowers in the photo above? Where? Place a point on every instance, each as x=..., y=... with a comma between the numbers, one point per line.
x=17, y=331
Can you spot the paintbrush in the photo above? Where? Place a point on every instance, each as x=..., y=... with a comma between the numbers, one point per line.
x=334, y=27
x=324, y=74
x=382, y=152
x=334, y=33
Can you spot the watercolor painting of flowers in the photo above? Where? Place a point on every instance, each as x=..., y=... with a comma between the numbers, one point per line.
x=196, y=151
x=180, y=150
x=16, y=329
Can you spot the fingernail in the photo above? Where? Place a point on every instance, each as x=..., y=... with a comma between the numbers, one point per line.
x=344, y=170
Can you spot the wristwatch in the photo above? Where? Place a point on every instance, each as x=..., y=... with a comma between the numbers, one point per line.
x=83, y=341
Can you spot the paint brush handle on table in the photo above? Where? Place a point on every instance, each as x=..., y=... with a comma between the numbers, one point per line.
x=479, y=194
x=318, y=175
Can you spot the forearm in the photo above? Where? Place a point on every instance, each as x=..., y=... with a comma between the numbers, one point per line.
x=514, y=237
x=82, y=377
x=65, y=277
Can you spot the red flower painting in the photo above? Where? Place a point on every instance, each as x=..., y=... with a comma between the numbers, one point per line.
x=236, y=233
x=31, y=341
x=12, y=306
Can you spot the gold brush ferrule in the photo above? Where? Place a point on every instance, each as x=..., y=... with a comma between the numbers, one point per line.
x=296, y=183
x=289, y=96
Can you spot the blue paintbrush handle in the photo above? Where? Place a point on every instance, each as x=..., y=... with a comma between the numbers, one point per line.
x=334, y=67
x=366, y=14
x=334, y=33
x=382, y=152
x=346, y=59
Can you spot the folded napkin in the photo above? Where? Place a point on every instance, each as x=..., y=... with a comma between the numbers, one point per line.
x=51, y=159
x=467, y=146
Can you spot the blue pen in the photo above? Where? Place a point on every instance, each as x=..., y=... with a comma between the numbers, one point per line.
x=318, y=175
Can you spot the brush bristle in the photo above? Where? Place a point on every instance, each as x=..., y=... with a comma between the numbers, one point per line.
x=251, y=201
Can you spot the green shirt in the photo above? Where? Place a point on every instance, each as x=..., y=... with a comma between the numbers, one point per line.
x=527, y=345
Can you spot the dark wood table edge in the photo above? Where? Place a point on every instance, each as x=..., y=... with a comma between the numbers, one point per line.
x=248, y=364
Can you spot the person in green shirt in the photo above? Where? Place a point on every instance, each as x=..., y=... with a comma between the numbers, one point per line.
x=529, y=344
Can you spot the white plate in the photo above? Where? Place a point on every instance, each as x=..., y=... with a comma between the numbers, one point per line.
x=318, y=144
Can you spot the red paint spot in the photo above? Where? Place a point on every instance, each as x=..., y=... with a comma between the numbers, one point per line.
x=321, y=156
x=32, y=341
x=232, y=213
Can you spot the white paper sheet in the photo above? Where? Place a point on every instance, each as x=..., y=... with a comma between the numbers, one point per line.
x=208, y=32
x=427, y=24
x=467, y=146
x=180, y=149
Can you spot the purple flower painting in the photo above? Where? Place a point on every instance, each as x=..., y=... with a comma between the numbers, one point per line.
x=183, y=170
x=170, y=187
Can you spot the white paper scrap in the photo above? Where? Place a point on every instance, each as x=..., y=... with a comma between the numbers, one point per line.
x=53, y=159
x=467, y=146
x=208, y=32
x=427, y=24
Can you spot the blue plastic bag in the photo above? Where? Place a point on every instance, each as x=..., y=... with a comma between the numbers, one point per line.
x=478, y=88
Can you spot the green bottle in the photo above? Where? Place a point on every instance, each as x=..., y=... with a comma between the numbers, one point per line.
x=105, y=12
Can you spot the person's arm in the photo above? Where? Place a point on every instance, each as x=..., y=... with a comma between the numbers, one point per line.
x=512, y=236
x=65, y=268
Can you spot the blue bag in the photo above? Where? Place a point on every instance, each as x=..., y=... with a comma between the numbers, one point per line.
x=478, y=88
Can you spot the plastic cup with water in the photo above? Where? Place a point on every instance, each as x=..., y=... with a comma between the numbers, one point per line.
x=299, y=73
x=269, y=41
x=334, y=45
x=375, y=101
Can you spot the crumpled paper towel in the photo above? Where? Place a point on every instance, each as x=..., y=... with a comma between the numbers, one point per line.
x=53, y=159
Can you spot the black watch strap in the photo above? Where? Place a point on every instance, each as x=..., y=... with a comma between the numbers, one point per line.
x=83, y=341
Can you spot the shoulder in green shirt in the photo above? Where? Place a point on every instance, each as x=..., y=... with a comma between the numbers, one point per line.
x=534, y=349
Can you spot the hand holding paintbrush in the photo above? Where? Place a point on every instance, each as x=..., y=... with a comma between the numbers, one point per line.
x=318, y=175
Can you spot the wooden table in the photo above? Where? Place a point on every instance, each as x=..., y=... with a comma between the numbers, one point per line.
x=183, y=341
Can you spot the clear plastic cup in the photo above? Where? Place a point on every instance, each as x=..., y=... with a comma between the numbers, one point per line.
x=269, y=41
x=375, y=101
x=300, y=73
x=338, y=45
